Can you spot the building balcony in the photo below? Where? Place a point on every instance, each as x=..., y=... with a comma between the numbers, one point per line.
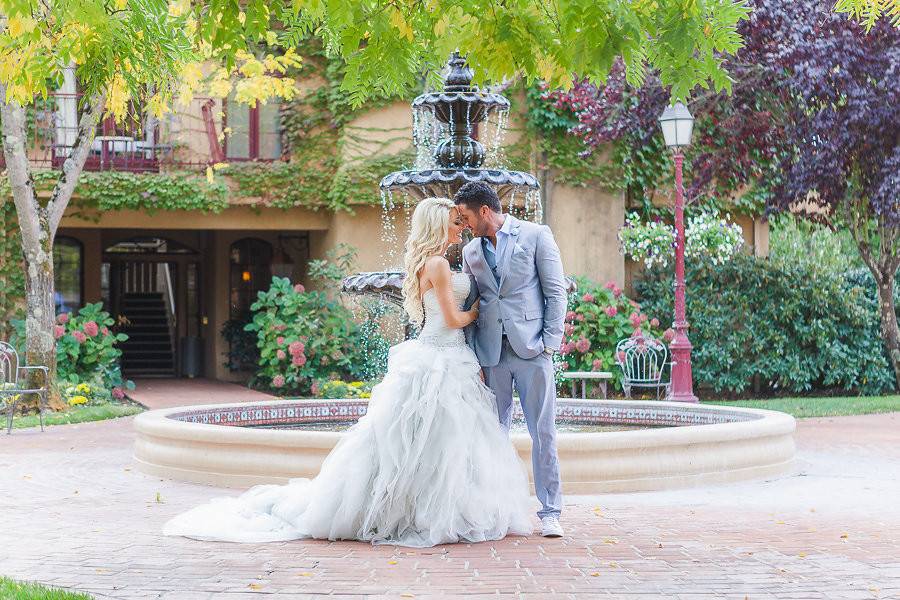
x=189, y=138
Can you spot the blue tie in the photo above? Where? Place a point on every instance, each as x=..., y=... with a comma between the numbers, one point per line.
x=491, y=258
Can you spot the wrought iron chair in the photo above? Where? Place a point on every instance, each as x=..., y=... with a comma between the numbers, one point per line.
x=643, y=360
x=14, y=383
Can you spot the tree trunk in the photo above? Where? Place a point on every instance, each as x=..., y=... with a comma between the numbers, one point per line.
x=890, y=332
x=38, y=223
x=39, y=299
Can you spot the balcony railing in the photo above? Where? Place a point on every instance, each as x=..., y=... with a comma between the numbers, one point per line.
x=186, y=139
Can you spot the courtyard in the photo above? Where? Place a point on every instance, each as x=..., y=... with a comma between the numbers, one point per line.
x=76, y=514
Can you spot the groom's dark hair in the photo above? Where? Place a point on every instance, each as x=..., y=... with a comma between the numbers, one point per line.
x=476, y=194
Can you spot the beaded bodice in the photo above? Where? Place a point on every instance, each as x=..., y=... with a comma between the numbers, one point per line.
x=435, y=330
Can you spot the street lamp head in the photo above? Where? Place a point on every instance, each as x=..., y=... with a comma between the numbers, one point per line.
x=677, y=125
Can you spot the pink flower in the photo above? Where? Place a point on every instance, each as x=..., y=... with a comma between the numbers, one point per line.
x=63, y=318
x=58, y=331
x=611, y=311
x=617, y=292
x=298, y=360
x=314, y=388
x=105, y=330
x=79, y=336
x=635, y=319
x=280, y=340
x=279, y=327
x=637, y=333
x=299, y=288
x=634, y=304
x=669, y=335
x=91, y=328
x=566, y=348
x=583, y=345
x=569, y=329
x=610, y=285
x=579, y=318
x=570, y=316
x=281, y=355
x=597, y=364
x=654, y=322
x=643, y=318
x=588, y=298
x=118, y=393
x=296, y=348
x=620, y=356
x=278, y=381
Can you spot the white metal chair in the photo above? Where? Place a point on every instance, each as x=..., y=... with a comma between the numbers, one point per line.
x=643, y=359
x=14, y=383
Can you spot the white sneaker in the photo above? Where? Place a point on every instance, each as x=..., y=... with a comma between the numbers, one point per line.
x=550, y=527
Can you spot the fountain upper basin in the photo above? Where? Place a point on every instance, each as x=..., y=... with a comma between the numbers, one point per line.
x=233, y=445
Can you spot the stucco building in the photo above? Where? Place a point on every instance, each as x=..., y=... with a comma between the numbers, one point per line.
x=177, y=277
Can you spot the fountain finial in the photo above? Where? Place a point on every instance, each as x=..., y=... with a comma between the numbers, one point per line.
x=459, y=77
x=457, y=156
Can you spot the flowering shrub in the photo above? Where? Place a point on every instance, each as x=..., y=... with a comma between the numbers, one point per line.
x=342, y=389
x=76, y=395
x=303, y=336
x=713, y=237
x=653, y=243
x=597, y=319
x=650, y=243
x=87, y=353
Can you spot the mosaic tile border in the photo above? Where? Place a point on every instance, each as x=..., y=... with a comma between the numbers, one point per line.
x=567, y=411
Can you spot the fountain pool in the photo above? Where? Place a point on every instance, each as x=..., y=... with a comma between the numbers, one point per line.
x=604, y=445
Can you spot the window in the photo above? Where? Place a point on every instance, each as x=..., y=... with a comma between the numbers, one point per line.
x=250, y=273
x=67, y=274
x=255, y=133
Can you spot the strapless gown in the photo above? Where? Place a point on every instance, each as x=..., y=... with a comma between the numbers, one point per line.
x=428, y=464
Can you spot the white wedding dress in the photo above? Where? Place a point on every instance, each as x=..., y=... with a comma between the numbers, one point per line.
x=428, y=464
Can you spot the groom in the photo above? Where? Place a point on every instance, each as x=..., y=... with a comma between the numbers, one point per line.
x=519, y=273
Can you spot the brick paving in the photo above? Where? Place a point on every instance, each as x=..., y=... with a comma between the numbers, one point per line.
x=75, y=514
x=167, y=393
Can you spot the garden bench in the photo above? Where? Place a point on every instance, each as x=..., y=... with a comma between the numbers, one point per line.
x=14, y=383
x=600, y=377
x=643, y=359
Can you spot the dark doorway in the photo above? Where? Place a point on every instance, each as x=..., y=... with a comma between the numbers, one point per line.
x=152, y=288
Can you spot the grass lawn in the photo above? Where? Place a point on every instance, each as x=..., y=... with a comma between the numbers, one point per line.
x=821, y=406
x=75, y=415
x=10, y=589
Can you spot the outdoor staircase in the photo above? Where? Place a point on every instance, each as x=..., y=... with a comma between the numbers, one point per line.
x=149, y=351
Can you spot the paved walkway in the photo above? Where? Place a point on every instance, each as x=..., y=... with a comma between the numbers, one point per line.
x=74, y=513
x=166, y=393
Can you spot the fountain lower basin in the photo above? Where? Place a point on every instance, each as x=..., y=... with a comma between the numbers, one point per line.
x=676, y=445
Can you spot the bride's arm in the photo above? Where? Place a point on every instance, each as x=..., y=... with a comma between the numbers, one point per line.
x=437, y=271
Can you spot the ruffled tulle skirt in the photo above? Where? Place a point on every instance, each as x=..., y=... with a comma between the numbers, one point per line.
x=428, y=464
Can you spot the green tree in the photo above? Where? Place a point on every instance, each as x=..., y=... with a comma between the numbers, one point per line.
x=869, y=11
x=154, y=51
x=148, y=51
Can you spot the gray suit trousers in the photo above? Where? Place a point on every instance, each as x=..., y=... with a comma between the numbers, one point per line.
x=534, y=381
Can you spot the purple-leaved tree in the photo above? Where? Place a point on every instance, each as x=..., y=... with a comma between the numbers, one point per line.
x=812, y=125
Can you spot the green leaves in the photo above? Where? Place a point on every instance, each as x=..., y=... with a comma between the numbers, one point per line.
x=387, y=45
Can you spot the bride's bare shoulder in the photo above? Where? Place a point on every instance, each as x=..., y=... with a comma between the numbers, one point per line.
x=436, y=264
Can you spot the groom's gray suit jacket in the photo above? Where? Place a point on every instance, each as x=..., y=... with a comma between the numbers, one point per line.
x=529, y=304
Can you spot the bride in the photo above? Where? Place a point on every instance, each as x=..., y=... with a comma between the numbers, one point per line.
x=428, y=464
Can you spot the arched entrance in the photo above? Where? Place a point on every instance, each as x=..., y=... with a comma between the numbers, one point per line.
x=152, y=288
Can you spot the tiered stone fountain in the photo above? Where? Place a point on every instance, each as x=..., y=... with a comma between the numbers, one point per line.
x=604, y=445
x=448, y=155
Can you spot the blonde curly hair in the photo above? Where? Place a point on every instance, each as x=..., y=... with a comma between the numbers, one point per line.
x=427, y=237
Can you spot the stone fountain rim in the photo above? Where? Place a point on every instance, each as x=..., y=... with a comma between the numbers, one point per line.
x=490, y=100
x=162, y=423
x=405, y=178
